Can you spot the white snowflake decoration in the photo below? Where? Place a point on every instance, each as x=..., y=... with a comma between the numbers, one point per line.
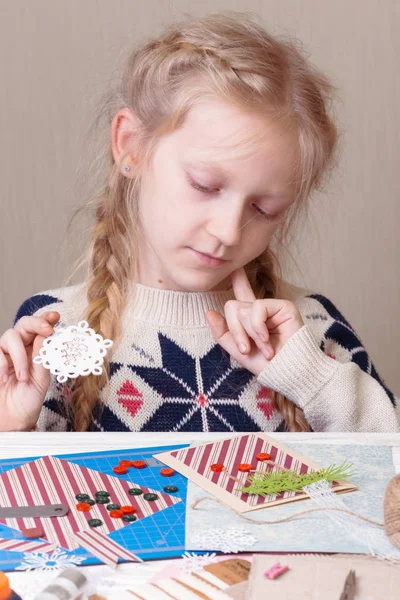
x=73, y=351
x=194, y=563
x=56, y=561
x=233, y=539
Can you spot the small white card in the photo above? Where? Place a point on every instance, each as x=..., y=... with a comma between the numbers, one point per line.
x=73, y=351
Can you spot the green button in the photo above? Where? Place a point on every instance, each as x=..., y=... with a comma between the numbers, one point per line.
x=113, y=507
x=95, y=522
x=102, y=500
x=90, y=501
x=135, y=491
x=150, y=496
x=82, y=497
x=128, y=518
x=170, y=489
x=102, y=493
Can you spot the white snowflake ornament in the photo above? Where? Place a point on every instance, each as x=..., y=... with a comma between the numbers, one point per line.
x=194, y=563
x=73, y=351
x=232, y=539
x=57, y=561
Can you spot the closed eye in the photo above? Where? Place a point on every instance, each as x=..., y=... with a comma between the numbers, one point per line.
x=205, y=190
x=201, y=188
x=266, y=215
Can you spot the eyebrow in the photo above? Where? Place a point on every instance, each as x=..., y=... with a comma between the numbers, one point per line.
x=207, y=163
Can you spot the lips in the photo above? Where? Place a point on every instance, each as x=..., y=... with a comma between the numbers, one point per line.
x=211, y=256
x=208, y=259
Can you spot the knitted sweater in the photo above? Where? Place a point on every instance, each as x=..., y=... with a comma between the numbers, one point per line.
x=168, y=373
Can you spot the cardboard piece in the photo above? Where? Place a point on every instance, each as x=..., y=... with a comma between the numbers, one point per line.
x=213, y=582
x=316, y=576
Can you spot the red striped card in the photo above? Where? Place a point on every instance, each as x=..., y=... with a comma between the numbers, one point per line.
x=103, y=547
x=15, y=545
x=51, y=480
x=195, y=462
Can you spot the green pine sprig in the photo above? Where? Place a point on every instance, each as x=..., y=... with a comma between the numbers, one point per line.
x=272, y=484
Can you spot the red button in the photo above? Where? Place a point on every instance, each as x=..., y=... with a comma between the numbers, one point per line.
x=128, y=510
x=116, y=514
x=120, y=470
x=217, y=467
x=125, y=463
x=244, y=467
x=263, y=456
x=138, y=464
x=167, y=472
x=83, y=507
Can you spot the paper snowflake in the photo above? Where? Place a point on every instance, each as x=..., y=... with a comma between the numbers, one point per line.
x=56, y=561
x=194, y=563
x=233, y=539
x=73, y=351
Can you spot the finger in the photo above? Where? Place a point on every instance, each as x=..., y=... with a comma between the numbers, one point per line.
x=235, y=326
x=222, y=334
x=30, y=327
x=244, y=315
x=259, y=316
x=39, y=372
x=241, y=286
x=254, y=361
x=4, y=364
x=12, y=344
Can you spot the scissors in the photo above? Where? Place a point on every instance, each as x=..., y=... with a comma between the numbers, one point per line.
x=349, y=590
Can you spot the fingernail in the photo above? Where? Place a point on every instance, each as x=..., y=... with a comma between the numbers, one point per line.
x=23, y=375
x=242, y=347
x=5, y=378
x=268, y=353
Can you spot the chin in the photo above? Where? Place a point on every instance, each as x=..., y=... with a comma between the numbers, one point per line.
x=202, y=282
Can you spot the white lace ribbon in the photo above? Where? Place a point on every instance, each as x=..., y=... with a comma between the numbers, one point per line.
x=372, y=536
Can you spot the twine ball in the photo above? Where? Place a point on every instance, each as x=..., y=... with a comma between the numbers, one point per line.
x=391, y=510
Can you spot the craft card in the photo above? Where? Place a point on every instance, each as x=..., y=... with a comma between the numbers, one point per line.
x=51, y=480
x=213, y=526
x=195, y=463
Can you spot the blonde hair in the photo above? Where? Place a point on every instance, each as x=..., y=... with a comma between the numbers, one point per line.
x=222, y=54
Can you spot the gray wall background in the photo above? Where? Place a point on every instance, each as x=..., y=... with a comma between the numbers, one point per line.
x=56, y=58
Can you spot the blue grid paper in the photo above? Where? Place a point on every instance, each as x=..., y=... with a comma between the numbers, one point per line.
x=161, y=535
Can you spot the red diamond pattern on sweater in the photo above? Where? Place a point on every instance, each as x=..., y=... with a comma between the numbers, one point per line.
x=264, y=393
x=130, y=397
x=266, y=407
x=202, y=400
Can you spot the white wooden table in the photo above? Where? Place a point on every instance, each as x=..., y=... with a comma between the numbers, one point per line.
x=36, y=444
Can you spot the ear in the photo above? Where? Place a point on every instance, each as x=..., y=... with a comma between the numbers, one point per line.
x=125, y=128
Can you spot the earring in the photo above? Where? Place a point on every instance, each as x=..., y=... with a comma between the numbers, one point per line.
x=127, y=168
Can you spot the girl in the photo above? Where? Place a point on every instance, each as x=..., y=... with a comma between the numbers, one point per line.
x=217, y=134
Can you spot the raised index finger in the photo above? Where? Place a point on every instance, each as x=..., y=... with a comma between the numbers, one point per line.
x=241, y=286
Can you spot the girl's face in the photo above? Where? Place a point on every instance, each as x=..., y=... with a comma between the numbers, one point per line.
x=219, y=185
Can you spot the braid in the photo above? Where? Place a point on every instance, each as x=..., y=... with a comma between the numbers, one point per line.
x=263, y=275
x=106, y=296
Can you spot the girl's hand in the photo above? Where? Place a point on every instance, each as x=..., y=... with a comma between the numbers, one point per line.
x=23, y=384
x=262, y=326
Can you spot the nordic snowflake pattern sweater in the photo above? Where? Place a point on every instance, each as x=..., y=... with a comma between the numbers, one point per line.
x=168, y=373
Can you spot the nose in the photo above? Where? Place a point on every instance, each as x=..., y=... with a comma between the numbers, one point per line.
x=226, y=224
